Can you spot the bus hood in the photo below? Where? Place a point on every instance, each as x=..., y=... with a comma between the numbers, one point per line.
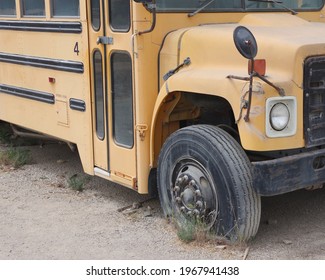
x=284, y=41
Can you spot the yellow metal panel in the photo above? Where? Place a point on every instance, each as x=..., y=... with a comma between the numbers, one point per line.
x=62, y=112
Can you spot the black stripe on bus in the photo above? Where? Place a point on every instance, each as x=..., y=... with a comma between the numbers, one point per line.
x=77, y=104
x=28, y=93
x=41, y=26
x=55, y=64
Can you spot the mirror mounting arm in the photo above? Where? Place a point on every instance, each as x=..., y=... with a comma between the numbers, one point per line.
x=278, y=89
x=151, y=5
x=250, y=91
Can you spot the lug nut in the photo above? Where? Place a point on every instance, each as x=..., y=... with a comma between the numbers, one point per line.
x=178, y=200
x=196, y=212
x=182, y=209
x=192, y=183
x=198, y=193
x=199, y=204
x=189, y=213
x=185, y=178
x=177, y=189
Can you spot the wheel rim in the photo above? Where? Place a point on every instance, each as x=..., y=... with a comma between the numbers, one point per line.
x=193, y=192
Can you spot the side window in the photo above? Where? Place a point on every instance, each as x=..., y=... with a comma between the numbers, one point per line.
x=7, y=8
x=120, y=19
x=122, y=95
x=95, y=14
x=33, y=8
x=64, y=8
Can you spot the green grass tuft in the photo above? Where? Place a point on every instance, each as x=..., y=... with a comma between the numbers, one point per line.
x=77, y=182
x=191, y=229
x=15, y=157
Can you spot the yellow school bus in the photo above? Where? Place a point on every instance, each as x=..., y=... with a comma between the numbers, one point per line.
x=214, y=103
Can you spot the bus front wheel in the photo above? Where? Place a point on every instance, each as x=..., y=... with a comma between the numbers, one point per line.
x=205, y=176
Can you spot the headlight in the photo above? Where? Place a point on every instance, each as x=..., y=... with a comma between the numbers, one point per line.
x=279, y=116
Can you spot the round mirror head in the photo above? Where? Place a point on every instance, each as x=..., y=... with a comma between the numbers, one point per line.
x=245, y=42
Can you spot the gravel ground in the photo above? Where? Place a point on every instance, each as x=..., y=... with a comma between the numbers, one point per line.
x=42, y=218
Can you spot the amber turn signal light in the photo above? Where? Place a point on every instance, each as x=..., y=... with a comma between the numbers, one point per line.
x=259, y=66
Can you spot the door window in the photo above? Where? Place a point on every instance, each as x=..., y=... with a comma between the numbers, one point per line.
x=119, y=15
x=121, y=66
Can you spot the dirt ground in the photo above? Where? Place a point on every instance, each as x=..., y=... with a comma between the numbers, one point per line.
x=41, y=217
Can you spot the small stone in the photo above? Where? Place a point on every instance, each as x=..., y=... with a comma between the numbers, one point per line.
x=136, y=205
x=56, y=185
x=130, y=211
x=287, y=242
x=148, y=212
x=246, y=253
x=60, y=161
x=221, y=247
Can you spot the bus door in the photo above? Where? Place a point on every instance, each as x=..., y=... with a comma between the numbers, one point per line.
x=110, y=33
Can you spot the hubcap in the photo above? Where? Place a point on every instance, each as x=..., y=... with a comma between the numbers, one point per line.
x=194, y=193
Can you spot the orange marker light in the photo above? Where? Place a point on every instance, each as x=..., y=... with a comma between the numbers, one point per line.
x=259, y=66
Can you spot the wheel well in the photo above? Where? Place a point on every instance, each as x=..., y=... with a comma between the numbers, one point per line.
x=182, y=109
x=214, y=110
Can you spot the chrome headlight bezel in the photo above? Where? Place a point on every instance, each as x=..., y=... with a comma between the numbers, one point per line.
x=281, y=116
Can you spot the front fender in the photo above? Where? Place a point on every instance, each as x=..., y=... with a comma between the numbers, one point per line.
x=204, y=82
x=214, y=81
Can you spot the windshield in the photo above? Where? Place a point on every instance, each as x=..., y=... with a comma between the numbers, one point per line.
x=235, y=5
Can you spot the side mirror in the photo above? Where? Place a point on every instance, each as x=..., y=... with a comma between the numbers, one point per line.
x=245, y=42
